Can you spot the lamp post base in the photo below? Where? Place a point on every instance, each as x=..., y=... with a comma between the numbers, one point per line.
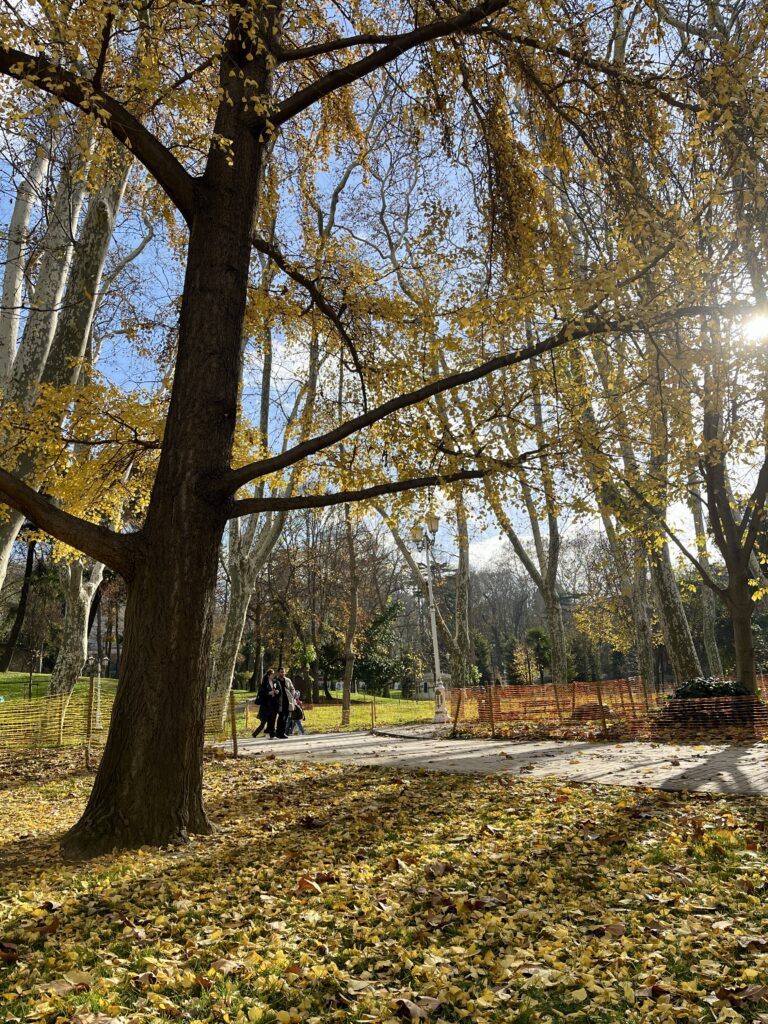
x=441, y=710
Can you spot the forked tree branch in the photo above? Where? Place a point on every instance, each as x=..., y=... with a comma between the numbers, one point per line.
x=340, y=77
x=246, y=506
x=310, y=286
x=42, y=73
x=114, y=549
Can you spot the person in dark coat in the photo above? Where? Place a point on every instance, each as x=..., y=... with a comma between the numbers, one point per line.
x=286, y=701
x=269, y=704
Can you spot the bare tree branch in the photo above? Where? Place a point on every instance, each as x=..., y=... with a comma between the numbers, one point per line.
x=42, y=73
x=114, y=549
x=310, y=286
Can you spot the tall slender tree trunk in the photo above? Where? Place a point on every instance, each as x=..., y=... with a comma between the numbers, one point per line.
x=674, y=623
x=556, y=629
x=349, y=636
x=461, y=651
x=73, y=651
x=16, y=261
x=708, y=600
x=21, y=609
x=641, y=618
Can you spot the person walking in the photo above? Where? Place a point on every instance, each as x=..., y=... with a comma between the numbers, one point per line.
x=297, y=716
x=287, y=702
x=268, y=704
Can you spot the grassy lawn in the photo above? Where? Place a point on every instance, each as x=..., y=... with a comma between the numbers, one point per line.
x=338, y=893
x=363, y=713
x=321, y=718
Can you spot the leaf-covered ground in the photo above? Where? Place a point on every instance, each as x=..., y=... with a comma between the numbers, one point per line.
x=333, y=893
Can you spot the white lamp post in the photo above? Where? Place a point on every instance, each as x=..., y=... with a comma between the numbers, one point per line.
x=424, y=539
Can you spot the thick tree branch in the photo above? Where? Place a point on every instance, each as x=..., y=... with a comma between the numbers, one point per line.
x=272, y=251
x=114, y=549
x=228, y=483
x=400, y=44
x=283, y=56
x=42, y=73
x=246, y=506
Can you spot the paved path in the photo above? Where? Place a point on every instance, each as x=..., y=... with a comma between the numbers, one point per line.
x=711, y=768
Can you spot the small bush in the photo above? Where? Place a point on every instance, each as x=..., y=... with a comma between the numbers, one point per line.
x=703, y=687
x=241, y=680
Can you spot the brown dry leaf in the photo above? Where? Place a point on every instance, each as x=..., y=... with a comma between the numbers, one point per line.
x=310, y=821
x=438, y=868
x=407, y=1009
x=308, y=885
x=72, y=981
x=9, y=952
x=617, y=929
x=752, y=942
x=748, y=994
x=145, y=979
x=226, y=966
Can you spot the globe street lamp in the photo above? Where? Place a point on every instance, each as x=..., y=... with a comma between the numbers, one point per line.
x=424, y=539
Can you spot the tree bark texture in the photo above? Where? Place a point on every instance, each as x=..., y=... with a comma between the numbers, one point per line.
x=149, y=785
x=351, y=630
x=73, y=651
x=674, y=623
x=16, y=261
x=21, y=608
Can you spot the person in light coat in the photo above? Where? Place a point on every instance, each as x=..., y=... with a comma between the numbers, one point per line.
x=287, y=702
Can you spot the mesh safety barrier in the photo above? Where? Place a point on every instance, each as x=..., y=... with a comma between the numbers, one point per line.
x=617, y=708
x=82, y=717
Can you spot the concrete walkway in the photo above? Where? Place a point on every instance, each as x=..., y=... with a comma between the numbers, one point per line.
x=712, y=768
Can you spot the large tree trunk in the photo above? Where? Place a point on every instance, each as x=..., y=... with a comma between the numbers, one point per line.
x=674, y=623
x=21, y=608
x=149, y=785
x=740, y=605
x=78, y=594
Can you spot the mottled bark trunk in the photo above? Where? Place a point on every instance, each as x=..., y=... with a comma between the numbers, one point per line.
x=73, y=651
x=557, y=642
x=674, y=623
x=234, y=623
x=21, y=609
x=708, y=601
x=460, y=652
x=641, y=619
x=16, y=261
x=52, y=276
x=349, y=636
x=57, y=362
